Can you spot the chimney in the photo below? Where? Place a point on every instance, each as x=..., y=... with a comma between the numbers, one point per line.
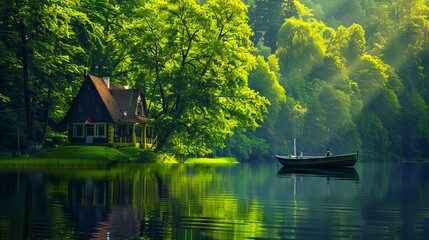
x=107, y=81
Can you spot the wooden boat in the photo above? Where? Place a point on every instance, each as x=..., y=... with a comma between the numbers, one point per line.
x=343, y=160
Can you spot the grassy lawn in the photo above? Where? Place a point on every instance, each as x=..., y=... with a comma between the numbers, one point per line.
x=96, y=157
x=217, y=160
x=67, y=157
x=85, y=152
x=39, y=162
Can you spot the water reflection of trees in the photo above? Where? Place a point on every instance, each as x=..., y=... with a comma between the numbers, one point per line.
x=155, y=201
x=177, y=202
x=32, y=208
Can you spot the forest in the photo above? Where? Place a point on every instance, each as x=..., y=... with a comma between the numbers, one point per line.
x=226, y=77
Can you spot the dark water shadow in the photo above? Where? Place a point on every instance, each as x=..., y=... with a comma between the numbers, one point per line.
x=330, y=173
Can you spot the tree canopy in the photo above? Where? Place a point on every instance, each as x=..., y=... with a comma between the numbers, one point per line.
x=196, y=60
x=227, y=77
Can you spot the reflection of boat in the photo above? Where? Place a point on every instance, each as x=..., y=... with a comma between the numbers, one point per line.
x=342, y=160
x=335, y=173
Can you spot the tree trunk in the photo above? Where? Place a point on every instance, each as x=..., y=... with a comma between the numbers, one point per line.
x=25, y=78
x=46, y=116
x=163, y=138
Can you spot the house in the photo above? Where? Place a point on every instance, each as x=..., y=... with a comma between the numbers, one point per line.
x=104, y=113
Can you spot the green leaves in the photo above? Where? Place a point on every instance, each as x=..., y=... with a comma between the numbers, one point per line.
x=196, y=59
x=371, y=75
x=193, y=59
x=301, y=45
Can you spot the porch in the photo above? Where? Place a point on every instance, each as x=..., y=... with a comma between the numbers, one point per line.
x=137, y=135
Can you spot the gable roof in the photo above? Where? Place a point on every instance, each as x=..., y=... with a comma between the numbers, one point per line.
x=126, y=100
x=117, y=99
x=106, y=97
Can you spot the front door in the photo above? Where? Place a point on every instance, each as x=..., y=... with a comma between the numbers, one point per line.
x=89, y=133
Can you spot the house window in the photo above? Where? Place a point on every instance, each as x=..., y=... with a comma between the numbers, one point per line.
x=78, y=130
x=139, y=106
x=100, y=130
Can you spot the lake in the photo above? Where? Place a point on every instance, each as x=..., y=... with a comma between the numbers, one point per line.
x=242, y=201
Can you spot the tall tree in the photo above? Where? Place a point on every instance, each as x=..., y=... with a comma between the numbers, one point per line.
x=266, y=18
x=105, y=38
x=355, y=45
x=196, y=58
x=372, y=131
x=416, y=114
x=300, y=49
x=265, y=81
x=371, y=75
x=39, y=59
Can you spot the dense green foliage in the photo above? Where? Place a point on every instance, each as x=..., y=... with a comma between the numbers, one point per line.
x=359, y=71
x=352, y=75
x=195, y=60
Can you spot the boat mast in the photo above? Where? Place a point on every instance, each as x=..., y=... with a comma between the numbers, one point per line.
x=294, y=146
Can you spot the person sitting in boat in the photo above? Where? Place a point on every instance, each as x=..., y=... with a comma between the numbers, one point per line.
x=328, y=152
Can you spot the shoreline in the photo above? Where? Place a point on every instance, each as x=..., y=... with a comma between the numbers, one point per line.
x=95, y=157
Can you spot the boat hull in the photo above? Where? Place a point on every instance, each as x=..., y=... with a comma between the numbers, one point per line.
x=345, y=160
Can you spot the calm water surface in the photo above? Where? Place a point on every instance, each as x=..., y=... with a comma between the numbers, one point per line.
x=243, y=201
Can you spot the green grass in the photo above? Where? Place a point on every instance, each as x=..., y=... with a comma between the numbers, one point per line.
x=66, y=157
x=140, y=155
x=39, y=162
x=85, y=152
x=217, y=160
x=96, y=157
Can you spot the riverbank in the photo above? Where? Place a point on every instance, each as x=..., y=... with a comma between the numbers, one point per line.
x=94, y=157
x=217, y=160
